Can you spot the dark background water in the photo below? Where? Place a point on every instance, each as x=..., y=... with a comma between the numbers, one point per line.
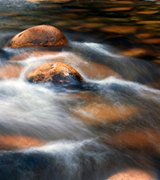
x=131, y=26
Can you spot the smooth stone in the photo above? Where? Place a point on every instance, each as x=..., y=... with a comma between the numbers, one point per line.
x=39, y=36
x=133, y=174
x=57, y=73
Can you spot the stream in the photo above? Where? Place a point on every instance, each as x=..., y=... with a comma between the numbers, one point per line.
x=50, y=132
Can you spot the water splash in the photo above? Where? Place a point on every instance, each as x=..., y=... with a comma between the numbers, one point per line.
x=36, y=111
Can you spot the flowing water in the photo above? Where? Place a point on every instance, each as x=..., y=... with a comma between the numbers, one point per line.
x=110, y=125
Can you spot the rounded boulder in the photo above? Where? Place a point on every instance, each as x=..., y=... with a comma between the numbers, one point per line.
x=39, y=36
x=57, y=73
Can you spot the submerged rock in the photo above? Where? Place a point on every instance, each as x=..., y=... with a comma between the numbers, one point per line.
x=57, y=73
x=90, y=69
x=39, y=36
x=133, y=174
x=10, y=71
x=10, y=142
x=56, y=1
x=99, y=113
x=25, y=55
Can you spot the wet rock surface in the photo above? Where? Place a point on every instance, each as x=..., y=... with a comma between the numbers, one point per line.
x=57, y=73
x=132, y=174
x=39, y=36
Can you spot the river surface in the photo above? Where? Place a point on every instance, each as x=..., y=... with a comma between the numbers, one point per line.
x=90, y=134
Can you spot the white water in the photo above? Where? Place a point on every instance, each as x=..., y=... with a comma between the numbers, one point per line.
x=52, y=114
